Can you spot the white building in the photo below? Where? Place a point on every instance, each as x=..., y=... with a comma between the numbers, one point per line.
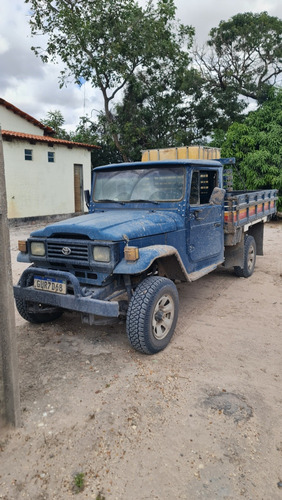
x=44, y=175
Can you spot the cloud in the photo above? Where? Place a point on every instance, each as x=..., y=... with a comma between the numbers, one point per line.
x=33, y=86
x=207, y=14
x=4, y=45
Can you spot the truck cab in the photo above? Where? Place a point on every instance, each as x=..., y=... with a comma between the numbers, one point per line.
x=176, y=196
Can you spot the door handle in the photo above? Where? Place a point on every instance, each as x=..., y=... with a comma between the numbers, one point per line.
x=217, y=224
x=197, y=215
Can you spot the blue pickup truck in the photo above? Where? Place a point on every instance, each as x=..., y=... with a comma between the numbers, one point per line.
x=149, y=226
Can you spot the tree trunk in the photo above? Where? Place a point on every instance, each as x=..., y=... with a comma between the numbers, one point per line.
x=110, y=120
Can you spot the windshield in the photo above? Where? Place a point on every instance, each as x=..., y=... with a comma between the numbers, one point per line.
x=155, y=185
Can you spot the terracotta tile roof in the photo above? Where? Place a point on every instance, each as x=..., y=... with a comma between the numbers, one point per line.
x=26, y=116
x=9, y=134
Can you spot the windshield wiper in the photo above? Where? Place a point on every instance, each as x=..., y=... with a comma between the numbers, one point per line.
x=140, y=200
x=110, y=201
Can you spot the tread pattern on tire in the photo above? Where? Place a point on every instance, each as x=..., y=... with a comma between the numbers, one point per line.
x=241, y=272
x=36, y=318
x=41, y=317
x=138, y=309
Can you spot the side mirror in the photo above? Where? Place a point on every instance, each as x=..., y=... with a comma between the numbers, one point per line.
x=217, y=196
x=87, y=197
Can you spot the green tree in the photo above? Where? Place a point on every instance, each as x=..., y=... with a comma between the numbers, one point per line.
x=243, y=56
x=169, y=107
x=95, y=132
x=87, y=131
x=55, y=120
x=152, y=112
x=107, y=41
x=256, y=144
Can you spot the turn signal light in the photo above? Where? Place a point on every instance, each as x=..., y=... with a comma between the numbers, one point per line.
x=22, y=246
x=131, y=253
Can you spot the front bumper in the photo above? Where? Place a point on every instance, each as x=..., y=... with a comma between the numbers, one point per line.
x=82, y=300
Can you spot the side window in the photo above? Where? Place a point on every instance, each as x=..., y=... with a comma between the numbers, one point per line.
x=28, y=154
x=51, y=156
x=202, y=184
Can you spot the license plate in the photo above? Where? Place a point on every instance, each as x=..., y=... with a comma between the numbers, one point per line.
x=47, y=284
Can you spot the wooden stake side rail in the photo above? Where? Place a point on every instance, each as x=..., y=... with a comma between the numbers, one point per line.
x=241, y=208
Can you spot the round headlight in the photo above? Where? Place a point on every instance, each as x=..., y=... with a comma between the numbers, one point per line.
x=101, y=254
x=37, y=248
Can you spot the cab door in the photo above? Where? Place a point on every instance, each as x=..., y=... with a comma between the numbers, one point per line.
x=205, y=235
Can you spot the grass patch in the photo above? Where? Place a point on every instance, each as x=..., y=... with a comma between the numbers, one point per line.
x=79, y=482
x=100, y=497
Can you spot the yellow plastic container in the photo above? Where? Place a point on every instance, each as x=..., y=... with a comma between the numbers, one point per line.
x=181, y=153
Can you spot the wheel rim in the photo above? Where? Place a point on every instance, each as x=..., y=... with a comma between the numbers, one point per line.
x=163, y=317
x=251, y=258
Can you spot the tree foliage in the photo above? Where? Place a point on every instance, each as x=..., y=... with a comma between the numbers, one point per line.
x=257, y=146
x=106, y=41
x=153, y=114
x=244, y=55
x=154, y=96
x=94, y=132
x=176, y=104
x=169, y=107
x=55, y=120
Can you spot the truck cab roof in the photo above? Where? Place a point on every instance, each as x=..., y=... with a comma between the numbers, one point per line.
x=157, y=164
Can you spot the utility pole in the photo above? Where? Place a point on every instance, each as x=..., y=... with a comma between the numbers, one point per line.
x=9, y=379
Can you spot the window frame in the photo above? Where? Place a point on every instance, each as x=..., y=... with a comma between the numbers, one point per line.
x=139, y=174
x=28, y=154
x=201, y=195
x=51, y=154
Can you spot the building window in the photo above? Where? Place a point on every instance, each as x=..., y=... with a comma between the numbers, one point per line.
x=28, y=154
x=51, y=157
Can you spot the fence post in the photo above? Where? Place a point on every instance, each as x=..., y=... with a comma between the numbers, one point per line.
x=9, y=379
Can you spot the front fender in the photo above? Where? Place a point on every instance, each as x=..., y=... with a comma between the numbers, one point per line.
x=147, y=256
x=23, y=257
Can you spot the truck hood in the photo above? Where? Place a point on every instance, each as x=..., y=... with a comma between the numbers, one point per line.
x=112, y=225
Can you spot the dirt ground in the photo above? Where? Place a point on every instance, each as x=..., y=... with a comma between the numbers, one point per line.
x=201, y=419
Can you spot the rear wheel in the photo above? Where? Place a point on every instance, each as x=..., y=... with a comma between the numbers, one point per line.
x=152, y=315
x=250, y=252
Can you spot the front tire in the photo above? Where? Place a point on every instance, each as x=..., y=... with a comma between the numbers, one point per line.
x=36, y=313
x=250, y=252
x=152, y=315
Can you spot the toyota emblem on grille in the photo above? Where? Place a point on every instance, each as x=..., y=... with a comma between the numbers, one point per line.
x=66, y=251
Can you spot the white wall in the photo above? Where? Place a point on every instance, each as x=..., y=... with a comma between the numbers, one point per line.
x=11, y=121
x=39, y=188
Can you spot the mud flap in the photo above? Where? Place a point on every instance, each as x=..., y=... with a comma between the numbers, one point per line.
x=234, y=255
x=257, y=231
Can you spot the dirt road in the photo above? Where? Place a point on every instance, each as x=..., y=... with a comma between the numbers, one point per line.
x=202, y=419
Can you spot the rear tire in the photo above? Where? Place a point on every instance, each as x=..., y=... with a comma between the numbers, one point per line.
x=250, y=252
x=152, y=315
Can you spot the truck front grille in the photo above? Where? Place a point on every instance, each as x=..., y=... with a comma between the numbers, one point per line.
x=67, y=251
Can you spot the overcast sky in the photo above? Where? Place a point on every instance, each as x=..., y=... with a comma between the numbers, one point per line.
x=33, y=86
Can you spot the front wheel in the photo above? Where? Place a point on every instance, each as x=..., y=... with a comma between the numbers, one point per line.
x=152, y=315
x=250, y=252
x=36, y=313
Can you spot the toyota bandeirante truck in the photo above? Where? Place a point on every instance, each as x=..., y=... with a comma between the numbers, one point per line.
x=149, y=226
